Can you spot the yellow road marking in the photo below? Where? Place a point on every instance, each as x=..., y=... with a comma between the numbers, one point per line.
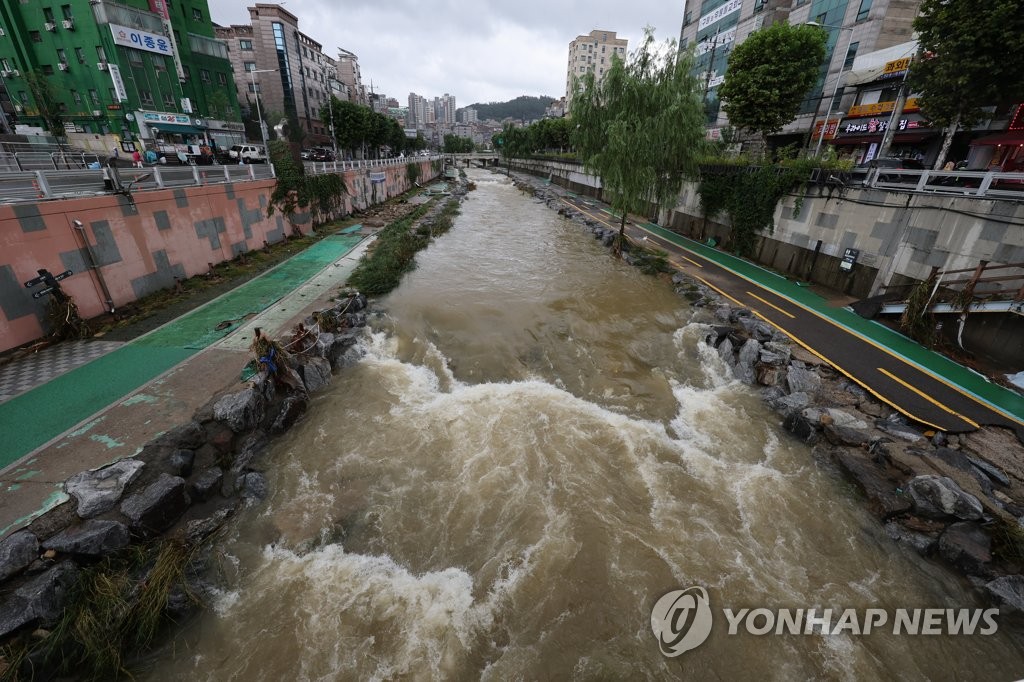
x=771, y=305
x=926, y=397
x=867, y=340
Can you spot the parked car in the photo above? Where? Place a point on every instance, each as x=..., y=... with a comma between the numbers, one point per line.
x=320, y=154
x=894, y=163
x=251, y=153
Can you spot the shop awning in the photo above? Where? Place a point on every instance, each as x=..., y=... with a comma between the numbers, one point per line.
x=868, y=139
x=1007, y=137
x=177, y=129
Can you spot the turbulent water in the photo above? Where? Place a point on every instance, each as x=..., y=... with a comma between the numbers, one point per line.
x=535, y=447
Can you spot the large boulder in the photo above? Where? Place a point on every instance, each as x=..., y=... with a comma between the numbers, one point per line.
x=157, y=507
x=94, y=538
x=745, y=360
x=98, y=491
x=17, y=551
x=1008, y=591
x=801, y=380
x=316, y=374
x=290, y=411
x=966, y=546
x=919, y=542
x=241, y=411
x=940, y=497
x=206, y=484
x=899, y=430
x=879, y=483
x=40, y=601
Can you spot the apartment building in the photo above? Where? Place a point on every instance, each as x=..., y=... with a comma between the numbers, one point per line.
x=134, y=73
x=714, y=27
x=349, y=74
x=591, y=53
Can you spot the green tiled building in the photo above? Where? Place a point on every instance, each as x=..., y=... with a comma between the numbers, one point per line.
x=107, y=72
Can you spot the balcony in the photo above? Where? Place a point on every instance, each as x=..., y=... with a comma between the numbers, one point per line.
x=107, y=12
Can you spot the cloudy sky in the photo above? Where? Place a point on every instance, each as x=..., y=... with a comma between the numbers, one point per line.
x=486, y=51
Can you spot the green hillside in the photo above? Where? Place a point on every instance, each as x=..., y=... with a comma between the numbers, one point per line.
x=524, y=107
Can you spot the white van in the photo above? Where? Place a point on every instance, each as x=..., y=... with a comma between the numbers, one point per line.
x=252, y=153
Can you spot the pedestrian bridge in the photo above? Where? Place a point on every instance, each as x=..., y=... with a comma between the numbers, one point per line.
x=483, y=159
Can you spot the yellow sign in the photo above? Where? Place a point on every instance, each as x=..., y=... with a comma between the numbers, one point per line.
x=881, y=108
x=896, y=66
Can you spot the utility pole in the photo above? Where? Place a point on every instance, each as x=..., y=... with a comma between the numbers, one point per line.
x=711, y=64
x=894, y=118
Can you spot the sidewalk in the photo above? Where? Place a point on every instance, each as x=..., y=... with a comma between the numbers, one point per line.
x=110, y=407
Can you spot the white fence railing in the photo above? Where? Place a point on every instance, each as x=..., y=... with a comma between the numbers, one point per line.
x=987, y=184
x=321, y=167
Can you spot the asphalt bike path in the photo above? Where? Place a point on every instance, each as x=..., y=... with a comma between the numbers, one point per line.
x=922, y=384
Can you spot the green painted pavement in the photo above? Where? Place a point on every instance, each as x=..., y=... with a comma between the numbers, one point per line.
x=981, y=388
x=43, y=413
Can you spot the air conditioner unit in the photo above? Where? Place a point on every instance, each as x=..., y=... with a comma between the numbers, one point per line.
x=102, y=66
x=50, y=26
x=97, y=113
x=6, y=73
x=18, y=108
x=63, y=66
x=15, y=73
x=69, y=24
x=2, y=32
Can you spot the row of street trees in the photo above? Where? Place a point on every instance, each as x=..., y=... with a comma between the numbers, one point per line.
x=359, y=128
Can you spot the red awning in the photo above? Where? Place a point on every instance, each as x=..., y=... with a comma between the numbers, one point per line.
x=1008, y=137
x=868, y=139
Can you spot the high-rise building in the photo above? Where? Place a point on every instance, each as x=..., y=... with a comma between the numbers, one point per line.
x=714, y=27
x=593, y=53
x=112, y=73
x=349, y=74
x=282, y=66
x=417, y=114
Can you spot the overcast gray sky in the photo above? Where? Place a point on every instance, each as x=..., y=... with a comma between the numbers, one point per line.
x=485, y=51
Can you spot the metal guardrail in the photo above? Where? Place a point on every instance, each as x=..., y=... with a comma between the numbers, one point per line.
x=979, y=184
x=39, y=185
x=321, y=167
x=43, y=160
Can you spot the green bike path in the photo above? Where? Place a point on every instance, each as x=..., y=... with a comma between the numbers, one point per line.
x=45, y=412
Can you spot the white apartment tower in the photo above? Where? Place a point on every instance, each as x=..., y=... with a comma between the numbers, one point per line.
x=592, y=52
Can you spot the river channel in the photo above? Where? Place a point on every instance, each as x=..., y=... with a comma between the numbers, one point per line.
x=534, y=448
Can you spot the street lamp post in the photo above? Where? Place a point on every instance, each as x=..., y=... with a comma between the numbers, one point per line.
x=259, y=113
x=330, y=103
x=835, y=91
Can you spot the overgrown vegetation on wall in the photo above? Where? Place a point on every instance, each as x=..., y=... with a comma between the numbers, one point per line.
x=322, y=195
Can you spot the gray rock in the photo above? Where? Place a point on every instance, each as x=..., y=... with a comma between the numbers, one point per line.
x=800, y=380
x=93, y=538
x=769, y=375
x=157, y=507
x=967, y=547
x=251, y=447
x=40, y=601
x=768, y=357
x=727, y=352
x=207, y=483
x=1008, y=591
x=188, y=436
x=198, y=530
x=939, y=497
x=990, y=470
x=98, y=491
x=842, y=418
x=252, y=485
x=324, y=344
x=745, y=360
x=919, y=542
x=845, y=435
x=292, y=408
x=762, y=331
x=801, y=427
x=723, y=313
x=875, y=480
x=789, y=403
x=17, y=551
x=182, y=461
x=679, y=278
x=898, y=430
x=241, y=411
x=316, y=373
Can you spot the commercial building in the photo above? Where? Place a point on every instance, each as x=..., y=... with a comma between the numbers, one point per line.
x=854, y=27
x=349, y=74
x=116, y=74
x=273, y=60
x=591, y=53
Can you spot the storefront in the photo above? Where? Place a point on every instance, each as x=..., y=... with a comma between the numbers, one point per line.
x=173, y=134
x=1003, y=151
x=860, y=134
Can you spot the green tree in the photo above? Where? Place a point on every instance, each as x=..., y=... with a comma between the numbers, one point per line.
x=641, y=128
x=455, y=144
x=769, y=74
x=352, y=123
x=972, y=54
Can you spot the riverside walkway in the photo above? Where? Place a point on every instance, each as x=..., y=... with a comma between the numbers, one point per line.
x=927, y=387
x=112, y=406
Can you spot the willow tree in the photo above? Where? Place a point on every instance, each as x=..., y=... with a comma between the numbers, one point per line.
x=641, y=127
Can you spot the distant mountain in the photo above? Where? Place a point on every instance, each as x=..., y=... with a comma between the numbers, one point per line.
x=524, y=107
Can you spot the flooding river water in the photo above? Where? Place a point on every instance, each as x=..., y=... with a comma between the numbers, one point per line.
x=534, y=449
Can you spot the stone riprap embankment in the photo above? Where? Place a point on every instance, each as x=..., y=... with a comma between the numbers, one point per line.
x=958, y=499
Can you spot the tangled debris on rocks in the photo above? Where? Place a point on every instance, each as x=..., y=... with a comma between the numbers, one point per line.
x=956, y=498
x=181, y=487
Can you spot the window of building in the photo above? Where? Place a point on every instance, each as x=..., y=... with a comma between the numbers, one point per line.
x=48, y=69
x=159, y=63
x=197, y=14
x=204, y=75
x=249, y=66
x=168, y=101
x=62, y=55
x=4, y=64
x=80, y=55
x=61, y=107
x=244, y=44
x=187, y=71
x=864, y=11
x=222, y=79
x=94, y=96
x=35, y=36
x=113, y=94
x=177, y=36
x=254, y=87
x=65, y=11
x=134, y=57
x=851, y=54
x=48, y=15
x=146, y=97
x=75, y=95
x=101, y=54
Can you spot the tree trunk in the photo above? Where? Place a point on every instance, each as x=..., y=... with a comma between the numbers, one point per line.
x=946, y=142
x=622, y=236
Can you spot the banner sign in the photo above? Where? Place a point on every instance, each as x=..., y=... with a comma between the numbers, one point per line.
x=881, y=108
x=115, y=75
x=716, y=41
x=159, y=7
x=152, y=117
x=720, y=13
x=141, y=40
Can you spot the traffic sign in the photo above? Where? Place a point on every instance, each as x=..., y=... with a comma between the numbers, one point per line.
x=42, y=292
x=44, y=276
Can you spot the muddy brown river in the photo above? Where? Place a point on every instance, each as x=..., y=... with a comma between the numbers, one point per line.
x=534, y=449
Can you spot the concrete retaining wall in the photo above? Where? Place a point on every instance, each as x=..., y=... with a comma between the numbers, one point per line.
x=142, y=247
